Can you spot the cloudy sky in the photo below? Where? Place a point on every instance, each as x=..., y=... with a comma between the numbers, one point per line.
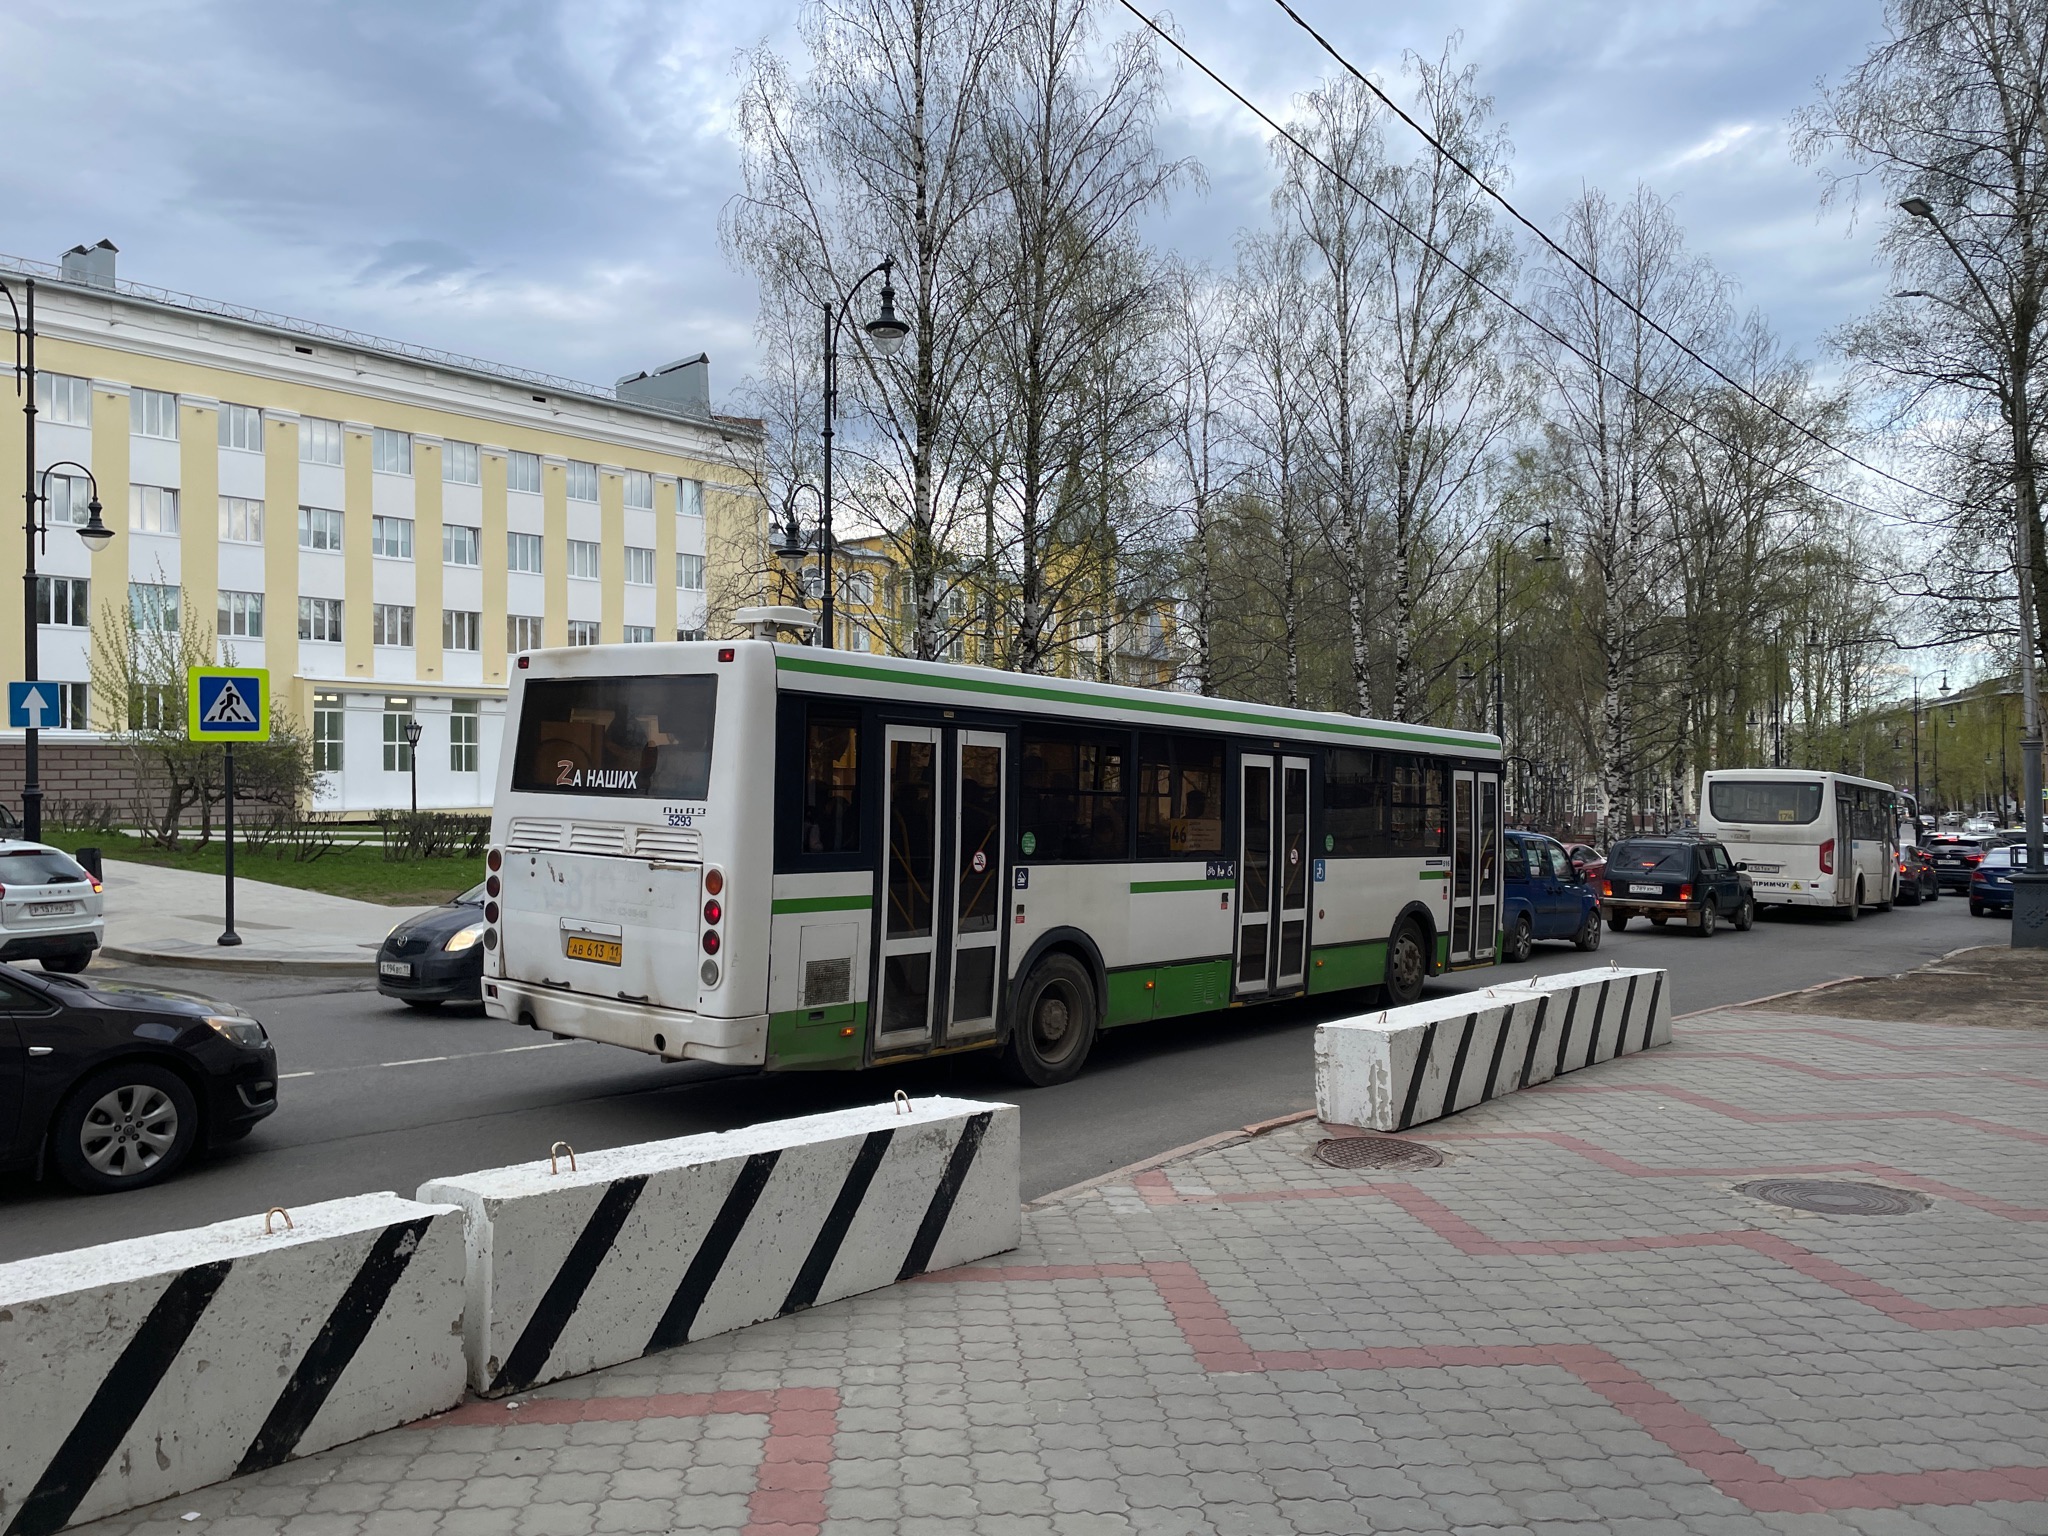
x=539, y=181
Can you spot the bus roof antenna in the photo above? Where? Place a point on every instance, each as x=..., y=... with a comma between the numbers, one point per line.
x=763, y=623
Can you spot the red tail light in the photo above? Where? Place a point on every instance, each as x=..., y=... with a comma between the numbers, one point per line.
x=1606, y=887
x=713, y=911
x=1827, y=857
x=1685, y=891
x=1973, y=858
x=710, y=943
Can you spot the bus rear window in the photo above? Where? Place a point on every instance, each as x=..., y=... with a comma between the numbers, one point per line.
x=1760, y=801
x=629, y=736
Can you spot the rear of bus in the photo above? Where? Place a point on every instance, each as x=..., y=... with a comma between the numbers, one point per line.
x=618, y=906
x=1784, y=824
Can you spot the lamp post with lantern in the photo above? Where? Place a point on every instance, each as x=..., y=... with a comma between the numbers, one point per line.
x=412, y=757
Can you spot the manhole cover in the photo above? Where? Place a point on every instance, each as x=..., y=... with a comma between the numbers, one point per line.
x=1375, y=1152
x=1827, y=1197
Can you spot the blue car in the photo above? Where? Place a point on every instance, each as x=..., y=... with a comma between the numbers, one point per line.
x=1991, y=880
x=1546, y=897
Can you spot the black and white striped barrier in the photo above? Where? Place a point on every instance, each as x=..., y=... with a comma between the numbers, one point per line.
x=1406, y=1066
x=646, y=1247
x=143, y=1369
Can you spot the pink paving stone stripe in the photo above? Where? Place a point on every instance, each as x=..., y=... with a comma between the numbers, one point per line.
x=796, y=1458
x=1830, y=1116
x=1615, y=1162
x=1218, y=1346
x=1157, y=1189
x=1788, y=1028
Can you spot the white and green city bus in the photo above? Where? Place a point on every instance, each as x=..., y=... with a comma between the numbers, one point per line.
x=774, y=855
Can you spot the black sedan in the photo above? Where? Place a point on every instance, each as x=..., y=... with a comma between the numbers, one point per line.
x=113, y=1087
x=437, y=957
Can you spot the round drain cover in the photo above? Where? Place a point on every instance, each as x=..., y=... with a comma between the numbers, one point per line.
x=1828, y=1197
x=1376, y=1152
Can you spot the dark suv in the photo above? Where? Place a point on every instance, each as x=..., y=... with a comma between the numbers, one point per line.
x=1691, y=879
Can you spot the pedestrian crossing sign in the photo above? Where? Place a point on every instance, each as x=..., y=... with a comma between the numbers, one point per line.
x=227, y=704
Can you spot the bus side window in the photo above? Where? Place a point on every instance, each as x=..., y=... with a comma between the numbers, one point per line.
x=1072, y=799
x=1180, y=796
x=831, y=784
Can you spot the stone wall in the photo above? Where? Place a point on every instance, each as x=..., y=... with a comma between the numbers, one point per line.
x=75, y=771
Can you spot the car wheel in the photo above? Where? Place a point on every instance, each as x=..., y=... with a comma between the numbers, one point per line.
x=1618, y=921
x=424, y=1004
x=1588, y=936
x=1976, y=909
x=67, y=965
x=1407, y=964
x=124, y=1127
x=1710, y=919
x=1054, y=1028
x=1522, y=942
x=1745, y=915
x=1658, y=919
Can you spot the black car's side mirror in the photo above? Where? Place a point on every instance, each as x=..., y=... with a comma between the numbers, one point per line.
x=1744, y=864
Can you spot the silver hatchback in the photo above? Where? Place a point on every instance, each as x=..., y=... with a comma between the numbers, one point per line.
x=51, y=909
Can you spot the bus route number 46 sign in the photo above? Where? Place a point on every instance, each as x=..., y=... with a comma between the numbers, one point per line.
x=227, y=704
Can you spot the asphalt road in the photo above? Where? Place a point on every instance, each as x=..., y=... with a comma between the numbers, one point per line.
x=375, y=1097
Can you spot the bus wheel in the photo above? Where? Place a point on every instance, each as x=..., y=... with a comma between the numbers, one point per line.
x=1855, y=908
x=1055, y=1023
x=1407, y=965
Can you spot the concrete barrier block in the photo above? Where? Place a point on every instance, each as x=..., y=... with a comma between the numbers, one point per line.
x=142, y=1369
x=1399, y=1067
x=644, y=1247
x=1595, y=1015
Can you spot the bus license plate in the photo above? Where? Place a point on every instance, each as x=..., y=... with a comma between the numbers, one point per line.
x=1646, y=890
x=580, y=946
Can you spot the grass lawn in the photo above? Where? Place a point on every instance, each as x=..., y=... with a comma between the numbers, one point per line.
x=344, y=871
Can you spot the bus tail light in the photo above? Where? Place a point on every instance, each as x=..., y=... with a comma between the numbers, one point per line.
x=710, y=942
x=494, y=860
x=713, y=911
x=1827, y=857
x=714, y=882
x=725, y=653
x=709, y=973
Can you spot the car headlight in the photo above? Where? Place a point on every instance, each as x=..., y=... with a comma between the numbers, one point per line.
x=241, y=1031
x=463, y=938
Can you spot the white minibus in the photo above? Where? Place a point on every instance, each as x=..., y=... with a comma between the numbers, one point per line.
x=1808, y=838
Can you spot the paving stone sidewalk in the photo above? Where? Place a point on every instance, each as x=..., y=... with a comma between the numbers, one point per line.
x=1576, y=1324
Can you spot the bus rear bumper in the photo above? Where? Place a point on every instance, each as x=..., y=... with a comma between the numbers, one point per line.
x=672, y=1033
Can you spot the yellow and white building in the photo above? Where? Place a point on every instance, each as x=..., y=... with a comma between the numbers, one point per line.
x=382, y=526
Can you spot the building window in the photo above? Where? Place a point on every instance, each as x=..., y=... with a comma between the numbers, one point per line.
x=153, y=413
x=397, y=750
x=319, y=441
x=391, y=452
x=462, y=736
x=690, y=498
x=639, y=634
x=522, y=473
x=64, y=400
x=462, y=631
x=640, y=490
x=582, y=481
x=241, y=426
x=319, y=528
x=858, y=639
x=860, y=588
x=693, y=634
x=241, y=520
x=391, y=537
x=462, y=464
x=390, y=624
x=153, y=609
x=327, y=719
x=155, y=707
x=461, y=545
x=690, y=572
x=62, y=600
x=583, y=559
x=241, y=616
x=639, y=566
x=320, y=618
x=71, y=708
x=583, y=631
x=522, y=632
x=522, y=552
x=70, y=500
x=152, y=509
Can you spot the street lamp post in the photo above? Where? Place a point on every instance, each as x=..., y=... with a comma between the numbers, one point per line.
x=2030, y=890
x=412, y=757
x=887, y=332
x=796, y=545
x=1500, y=598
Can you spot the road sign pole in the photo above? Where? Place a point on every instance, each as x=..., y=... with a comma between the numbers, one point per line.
x=230, y=937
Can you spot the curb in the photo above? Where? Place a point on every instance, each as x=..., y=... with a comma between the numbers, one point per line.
x=227, y=960
x=1206, y=1144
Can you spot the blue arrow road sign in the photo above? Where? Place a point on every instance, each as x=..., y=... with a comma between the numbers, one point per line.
x=31, y=706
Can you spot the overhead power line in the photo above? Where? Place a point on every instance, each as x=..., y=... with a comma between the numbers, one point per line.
x=1492, y=292
x=1587, y=272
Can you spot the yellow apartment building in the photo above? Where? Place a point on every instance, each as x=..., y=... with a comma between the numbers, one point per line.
x=380, y=525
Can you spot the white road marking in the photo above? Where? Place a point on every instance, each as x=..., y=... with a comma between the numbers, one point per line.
x=419, y=1061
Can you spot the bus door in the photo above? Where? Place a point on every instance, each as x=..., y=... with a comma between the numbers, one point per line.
x=942, y=885
x=1475, y=865
x=1272, y=873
